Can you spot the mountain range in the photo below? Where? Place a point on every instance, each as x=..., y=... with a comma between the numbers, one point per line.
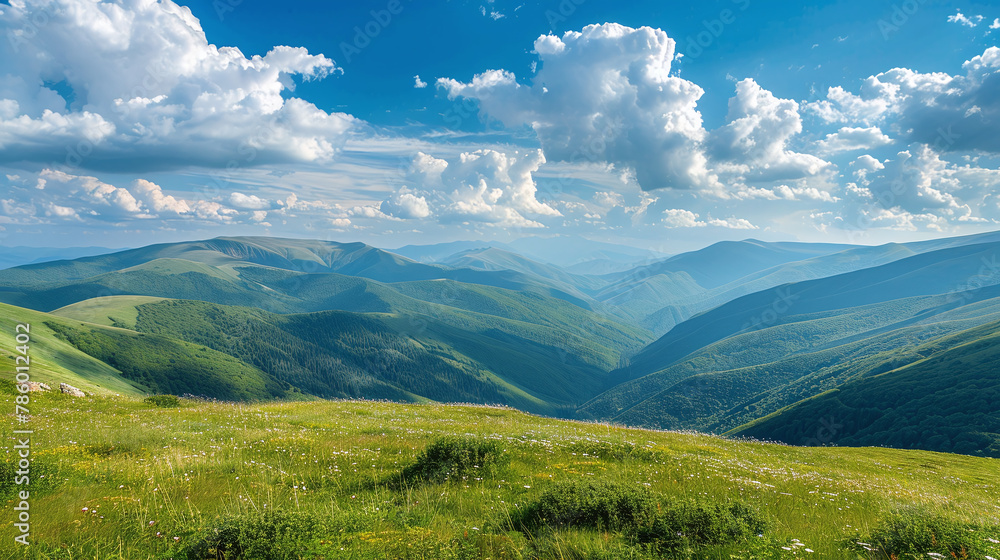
x=805, y=343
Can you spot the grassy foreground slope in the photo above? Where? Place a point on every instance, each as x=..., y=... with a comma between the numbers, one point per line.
x=126, y=480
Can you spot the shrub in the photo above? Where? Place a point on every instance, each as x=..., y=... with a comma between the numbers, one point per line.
x=646, y=517
x=690, y=523
x=919, y=532
x=457, y=458
x=163, y=401
x=603, y=505
x=272, y=535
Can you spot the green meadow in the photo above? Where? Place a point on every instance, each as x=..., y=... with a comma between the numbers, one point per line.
x=119, y=477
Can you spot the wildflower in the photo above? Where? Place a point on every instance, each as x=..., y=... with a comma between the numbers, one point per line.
x=85, y=510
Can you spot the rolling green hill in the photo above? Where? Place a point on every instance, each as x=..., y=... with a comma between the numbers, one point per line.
x=55, y=361
x=283, y=318
x=19, y=256
x=101, y=359
x=752, y=374
x=936, y=272
x=945, y=401
x=172, y=270
x=451, y=355
x=760, y=353
x=664, y=293
x=495, y=259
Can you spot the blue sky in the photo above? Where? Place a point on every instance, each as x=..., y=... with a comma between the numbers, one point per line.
x=666, y=125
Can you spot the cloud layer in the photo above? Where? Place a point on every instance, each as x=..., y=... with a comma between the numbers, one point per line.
x=605, y=94
x=484, y=186
x=603, y=135
x=136, y=85
x=949, y=113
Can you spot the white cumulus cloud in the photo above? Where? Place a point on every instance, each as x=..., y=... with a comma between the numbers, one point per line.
x=605, y=94
x=248, y=202
x=680, y=218
x=152, y=195
x=151, y=91
x=754, y=142
x=486, y=186
x=947, y=112
x=849, y=139
x=405, y=204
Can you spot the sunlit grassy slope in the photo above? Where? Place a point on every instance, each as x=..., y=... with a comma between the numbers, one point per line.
x=56, y=361
x=448, y=355
x=126, y=480
x=110, y=360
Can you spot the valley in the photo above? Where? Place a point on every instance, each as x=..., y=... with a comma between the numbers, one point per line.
x=743, y=338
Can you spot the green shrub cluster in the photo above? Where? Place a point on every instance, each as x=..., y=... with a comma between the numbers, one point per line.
x=663, y=524
x=684, y=523
x=609, y=506
x=271, y=535
x=917, y=532
x=458, y=458
x=163, y=401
